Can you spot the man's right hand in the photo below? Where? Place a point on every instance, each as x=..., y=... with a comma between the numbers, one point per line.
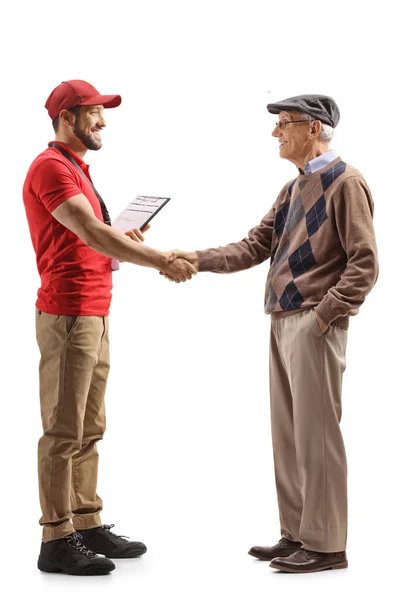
x=181, y=266
x=177, y=267
x=190, y=257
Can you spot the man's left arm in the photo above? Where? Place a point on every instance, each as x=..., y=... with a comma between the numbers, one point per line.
x=354, y=209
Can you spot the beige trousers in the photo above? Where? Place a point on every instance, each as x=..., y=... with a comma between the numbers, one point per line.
x=306, y=370
x=73, y=374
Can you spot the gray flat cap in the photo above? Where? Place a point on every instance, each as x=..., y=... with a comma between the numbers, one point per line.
x=321, y=108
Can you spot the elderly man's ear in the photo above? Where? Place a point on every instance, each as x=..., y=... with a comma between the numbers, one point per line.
x=315, y=129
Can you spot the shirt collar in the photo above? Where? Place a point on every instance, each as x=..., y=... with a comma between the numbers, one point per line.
x=320, y=161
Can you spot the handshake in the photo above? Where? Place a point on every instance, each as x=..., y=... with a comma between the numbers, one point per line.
x=175, y=265
x=179, y=266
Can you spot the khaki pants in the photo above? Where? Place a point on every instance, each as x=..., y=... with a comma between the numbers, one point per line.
x=73, y=374
x=306, y=370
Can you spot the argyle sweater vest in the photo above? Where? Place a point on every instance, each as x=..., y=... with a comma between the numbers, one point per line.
x=319, y=235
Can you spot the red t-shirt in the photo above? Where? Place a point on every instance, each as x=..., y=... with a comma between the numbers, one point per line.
x=75, y=280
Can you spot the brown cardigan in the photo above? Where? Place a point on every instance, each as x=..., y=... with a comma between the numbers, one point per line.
x=320, y=237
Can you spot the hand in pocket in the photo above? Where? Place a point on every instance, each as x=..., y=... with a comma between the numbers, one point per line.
x=323, y=327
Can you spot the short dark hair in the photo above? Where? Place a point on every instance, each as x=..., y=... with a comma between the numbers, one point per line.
x=56, y=121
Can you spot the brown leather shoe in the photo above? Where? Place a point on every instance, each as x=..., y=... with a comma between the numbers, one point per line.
x=308, y=561
x=284, y=547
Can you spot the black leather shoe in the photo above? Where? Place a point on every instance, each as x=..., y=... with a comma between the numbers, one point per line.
x=308, y=561
x=103, y=541
x=69, y=555
x=284, y=547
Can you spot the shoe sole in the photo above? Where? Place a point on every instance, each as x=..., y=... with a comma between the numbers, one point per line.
x=133, y=554
x=95, y=570
x=342, y=565
x=259, y=557
x=269, y=559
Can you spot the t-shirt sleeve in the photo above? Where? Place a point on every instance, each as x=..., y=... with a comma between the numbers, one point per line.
x=52, y=183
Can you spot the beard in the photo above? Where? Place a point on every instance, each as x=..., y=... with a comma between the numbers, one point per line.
x=89, y=142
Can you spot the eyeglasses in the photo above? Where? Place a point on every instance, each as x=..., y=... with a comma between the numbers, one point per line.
x=282, y=124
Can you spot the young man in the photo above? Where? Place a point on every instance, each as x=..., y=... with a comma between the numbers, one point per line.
x=74, y=245
x=319, y=235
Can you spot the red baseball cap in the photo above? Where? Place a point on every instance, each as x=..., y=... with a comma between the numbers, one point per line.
x=70, y=93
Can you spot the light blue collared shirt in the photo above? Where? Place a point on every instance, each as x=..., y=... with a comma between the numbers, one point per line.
x=320, y=162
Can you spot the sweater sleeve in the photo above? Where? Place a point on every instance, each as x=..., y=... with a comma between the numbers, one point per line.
x=237, y=256
x=353, y=209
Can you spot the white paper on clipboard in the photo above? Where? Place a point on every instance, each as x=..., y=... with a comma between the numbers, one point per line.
x=139, y=212
x=136, y=215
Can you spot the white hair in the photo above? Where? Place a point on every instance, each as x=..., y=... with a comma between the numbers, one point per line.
x=326, y=130
x=326, y=133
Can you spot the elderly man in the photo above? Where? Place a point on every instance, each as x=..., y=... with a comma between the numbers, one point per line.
x=319, y=235
x=74, y=244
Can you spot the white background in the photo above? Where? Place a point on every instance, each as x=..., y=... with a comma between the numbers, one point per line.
x=186, y=464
